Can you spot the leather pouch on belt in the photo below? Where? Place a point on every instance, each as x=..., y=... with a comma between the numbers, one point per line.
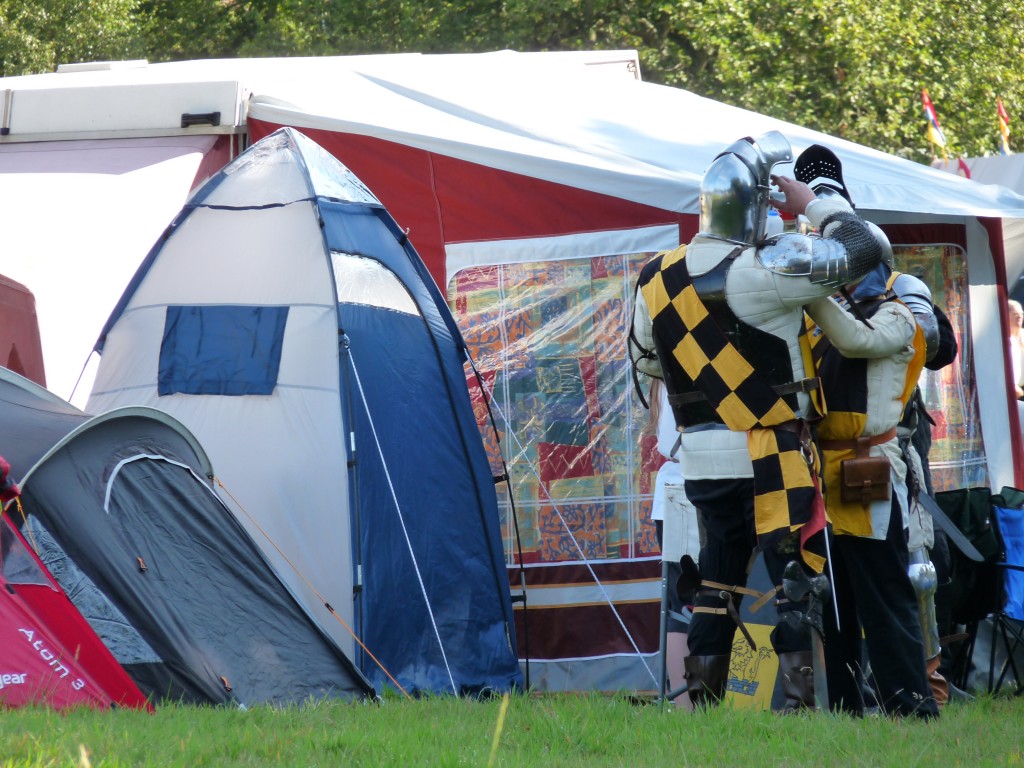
x=865, y=478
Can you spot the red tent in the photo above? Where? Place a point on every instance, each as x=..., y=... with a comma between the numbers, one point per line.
x=20, y=347
x=50, y=655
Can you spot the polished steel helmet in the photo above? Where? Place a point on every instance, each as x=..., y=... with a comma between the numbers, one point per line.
x=734, y=190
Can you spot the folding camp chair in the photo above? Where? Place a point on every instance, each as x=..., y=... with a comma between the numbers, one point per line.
x=1008, y=624
x=994, y=592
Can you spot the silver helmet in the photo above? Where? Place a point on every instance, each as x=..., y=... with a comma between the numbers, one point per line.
x=734, y=190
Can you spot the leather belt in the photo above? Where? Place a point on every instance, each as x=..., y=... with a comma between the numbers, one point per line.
x=796, y=426
x=852, y=443
x=804, y=385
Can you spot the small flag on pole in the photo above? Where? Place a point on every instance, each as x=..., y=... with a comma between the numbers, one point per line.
x=935, y=135
x=1004, y=129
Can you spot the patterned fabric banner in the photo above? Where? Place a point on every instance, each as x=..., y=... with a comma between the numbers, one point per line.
x=550, y=342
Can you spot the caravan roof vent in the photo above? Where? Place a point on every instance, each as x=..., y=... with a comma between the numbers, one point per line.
x=102, y=66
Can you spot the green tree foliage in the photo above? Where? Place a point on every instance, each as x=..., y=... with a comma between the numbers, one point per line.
x=324, y=27
x=854, y=69
x=849, y=68
x=37, y=35
x=178, y=30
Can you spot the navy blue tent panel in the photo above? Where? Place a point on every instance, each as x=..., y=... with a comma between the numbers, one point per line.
x=221, y=350
x=370, y=231
x=446, y=590
x=426, y=512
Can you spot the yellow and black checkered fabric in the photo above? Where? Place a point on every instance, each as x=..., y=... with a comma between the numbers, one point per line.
x=787, y=492
x=785, y=484
x=844, y=382
x=742, y=399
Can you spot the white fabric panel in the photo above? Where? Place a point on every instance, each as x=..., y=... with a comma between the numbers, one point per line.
x=309, y=357
x=132, y=359
x=282, y=457
x=1008, y=171
x=645, y=590
x=990, y=358
x=593, y=158
x=255, y=183
x=1013, y=249
x=78, y=217
x=235, y=257
x=639, y=141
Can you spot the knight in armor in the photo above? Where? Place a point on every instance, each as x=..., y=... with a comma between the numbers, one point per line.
x=930, y=564
x=868, y=371
x=721, y=321
x=821, y=169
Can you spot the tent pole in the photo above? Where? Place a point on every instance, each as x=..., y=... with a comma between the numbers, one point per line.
x=663, y=636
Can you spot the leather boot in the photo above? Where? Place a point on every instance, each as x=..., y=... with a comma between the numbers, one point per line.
x=938, y=683
x=706, y=677
x=796, y=672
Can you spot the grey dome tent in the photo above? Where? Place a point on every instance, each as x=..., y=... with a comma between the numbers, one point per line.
x=122, y=512
x=287, y=320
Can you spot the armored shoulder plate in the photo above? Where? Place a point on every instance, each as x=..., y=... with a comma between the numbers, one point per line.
x=913, y=292
x=820, y=260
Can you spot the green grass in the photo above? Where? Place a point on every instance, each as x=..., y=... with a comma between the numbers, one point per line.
x=540, y=731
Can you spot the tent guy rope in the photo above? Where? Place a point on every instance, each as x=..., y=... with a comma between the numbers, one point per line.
x=401, y=519
x=315, y=591
x=565, y=523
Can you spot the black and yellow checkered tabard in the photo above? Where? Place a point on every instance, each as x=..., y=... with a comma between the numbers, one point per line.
x=844, y=382
x=786, y=486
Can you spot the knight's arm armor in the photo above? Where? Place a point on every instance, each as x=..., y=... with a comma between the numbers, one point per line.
x=915, y=294
x=846, y=251
x=892, y=329
x=641, y=340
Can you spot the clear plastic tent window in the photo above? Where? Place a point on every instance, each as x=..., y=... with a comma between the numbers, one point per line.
x=17, y=565
x=328, y=177
x=957, y=456
x=549, y=339
x=366, y=281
